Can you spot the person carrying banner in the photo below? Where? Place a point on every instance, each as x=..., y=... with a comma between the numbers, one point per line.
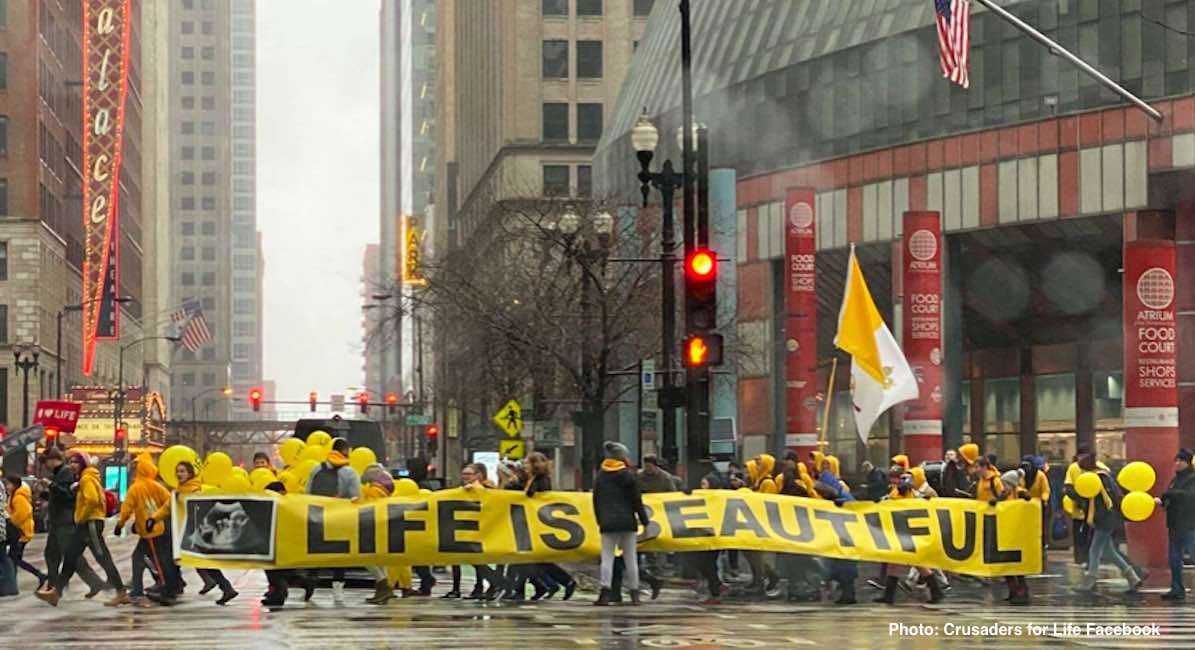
x=906, y=488
x=473, y=476
x=20, y=530
x=539, y=479
x=763, y=577
x=832, y=488
x=617, y=503
x=417, y=471
x=335, y=478
x=1102, y=516
x=1037, y=485
x=90, y=511
x=145, y=496
x=377, y=484
x=188, y=483
x=1013, y=483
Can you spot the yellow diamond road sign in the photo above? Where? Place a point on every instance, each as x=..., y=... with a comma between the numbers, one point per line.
x=512, y=449
x=510, y=419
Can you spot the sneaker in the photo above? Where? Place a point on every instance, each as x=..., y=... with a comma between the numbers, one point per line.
x=338, y=592
x=569, y=589
x=450, y=595
x=121, y=598
x=142, y=602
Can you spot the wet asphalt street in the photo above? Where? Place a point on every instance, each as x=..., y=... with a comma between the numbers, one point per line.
x=965, y=620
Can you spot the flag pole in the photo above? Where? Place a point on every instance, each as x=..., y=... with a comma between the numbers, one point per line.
x=821, y=443
x=1086, y=67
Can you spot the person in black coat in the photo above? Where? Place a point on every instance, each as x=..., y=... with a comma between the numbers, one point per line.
x=1179, y=502
x=618, y=508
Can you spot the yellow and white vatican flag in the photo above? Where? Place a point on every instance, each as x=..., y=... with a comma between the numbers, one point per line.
x=880, y=375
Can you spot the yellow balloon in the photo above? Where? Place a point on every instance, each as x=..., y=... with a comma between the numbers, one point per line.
x=1137, y=476
x=170, y=459
x=1137, y=506
x=1068, y=505
x=1088, y=485
x=362, y=457
x=208, y=489
x=315, y=453
x=405, y=487
x=319, y=439
x=216, y=467
x=261, y=477
x=236, y=484
x=290, y=450
x=240, y=471
x=424, y=491
x=302, y=472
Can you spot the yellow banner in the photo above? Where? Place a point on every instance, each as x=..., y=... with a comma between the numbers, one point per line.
x=494, y=526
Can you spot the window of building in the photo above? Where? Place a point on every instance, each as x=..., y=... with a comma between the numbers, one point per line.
x=244, y=307
x=243, y=263
x=243, y=328
x=209, y=203
x=187, y=253
x=209, y=178
x=208, y=53
x=3, y=132
x=188, y=103
x=589, y=121
x=188, y=279
x=188, y=78
x=209, y=103
x=207, y=128
x=209, y=253
x=207, y=77
x=209, y=354
x=555, y=180
x=187, y=128
x=188, y=53
x=643, y=7
x=188, y=153
x=187, y=203
x=589, y=7
x=584, y=180
x=243, y=351
x=188, y=27
x=555, y=55
x=188, y=4
x=3, y=25
x=209, y=305
x=188, y=228
x=209, y=379
x=3, y=390
x=555, y=121
x=3, y=70
x=555, y=7
x=209, y=153
x=188, y=178
x=3, y=261
x=207, y=27
x=3, y=196
x=243, y=285
x=209, y=228
x=208, y=279
x=589, y=59
x=188, y=379
x=1002, y=417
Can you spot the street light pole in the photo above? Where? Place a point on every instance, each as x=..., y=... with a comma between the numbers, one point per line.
x=25, y=364
x=120, y=300
x=118, y=395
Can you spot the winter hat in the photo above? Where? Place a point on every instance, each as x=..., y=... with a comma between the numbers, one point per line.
x=82, y=457
x=1012, y=477
x=902, y=460
x=616, y=450
x=1184, y=454
x=377, y=475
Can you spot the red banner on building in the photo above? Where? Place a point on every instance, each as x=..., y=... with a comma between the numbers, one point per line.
x=921, y=332
x=800, y=325
x=106, y=31
x=1151, y=335
x=63, y=416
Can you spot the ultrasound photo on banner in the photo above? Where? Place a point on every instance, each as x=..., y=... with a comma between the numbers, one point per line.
x=231, y=528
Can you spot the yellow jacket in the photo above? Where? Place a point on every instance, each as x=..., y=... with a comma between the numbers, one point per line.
x=373, y=492
x=144, y=498
x=1040, y=488
x=190, y=487
x=1072, y=472
x=20, y=511
x=989, y=487
x=90, y=502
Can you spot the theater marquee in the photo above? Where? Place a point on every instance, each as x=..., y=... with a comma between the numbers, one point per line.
x=105, y=86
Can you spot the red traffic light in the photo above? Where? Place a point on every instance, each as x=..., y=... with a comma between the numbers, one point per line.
x=121, y=434
x=313, y=399
x=391, y=399
x=255, y=398
x=702, y=264
x=363, y=400
x=432, y=431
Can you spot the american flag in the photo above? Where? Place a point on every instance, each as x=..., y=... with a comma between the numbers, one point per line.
x=191, y=324
x=954, y=38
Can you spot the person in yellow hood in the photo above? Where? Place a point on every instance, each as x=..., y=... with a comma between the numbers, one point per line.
x=988, y=486
x=906, y=488
x=187, y=475
x=20, y=513
x=377, y=484
x=902, y=460
x=143, y=499
x=90, y=510
x=763, y=576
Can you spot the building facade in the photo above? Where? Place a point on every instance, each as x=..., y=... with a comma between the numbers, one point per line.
x=216, y=250
x=41, y=224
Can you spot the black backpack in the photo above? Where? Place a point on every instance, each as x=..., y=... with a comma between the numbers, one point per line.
x=325, y=482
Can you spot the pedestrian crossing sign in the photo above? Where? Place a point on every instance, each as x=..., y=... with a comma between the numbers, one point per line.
x=512, y=449
x=510, y=419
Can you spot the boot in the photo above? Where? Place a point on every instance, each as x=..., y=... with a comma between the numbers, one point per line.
x=227, y=595
x=50, y=596
x=382, y=593
x=847, y=597
x=1134, y=581
x=478, y=593
x=889, y=596
x=603, y=598
x=935, y=590
x=121, y=598
x=656, y=585
x=569, y=589
x=1021, y=595
x=634, y=596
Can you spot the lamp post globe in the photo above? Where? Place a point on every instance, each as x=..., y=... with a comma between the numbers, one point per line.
x=569, y=223
x=603, y=224
x=644, y=135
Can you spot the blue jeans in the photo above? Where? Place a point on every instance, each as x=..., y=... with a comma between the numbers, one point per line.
x=1180, y=541
x=1102, y=543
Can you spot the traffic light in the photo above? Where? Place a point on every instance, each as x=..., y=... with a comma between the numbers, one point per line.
x=433, y=438
x=255, y=398
x=51, y=436
x=703, y=350
x=392, y=402
x=701, y=281
x=363, y=400
x=121, y=440
x=313, y=399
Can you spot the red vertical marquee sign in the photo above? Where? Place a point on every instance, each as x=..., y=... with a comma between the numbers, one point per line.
x=800, y=325
x=921, y=333
x=1150, y=378
x=106, y=31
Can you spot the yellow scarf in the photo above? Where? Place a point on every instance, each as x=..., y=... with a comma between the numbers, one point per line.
x=611, y=465
x=337, y=459
x=1091, y=503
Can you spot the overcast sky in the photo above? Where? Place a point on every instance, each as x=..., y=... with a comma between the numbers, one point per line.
x=317, y=162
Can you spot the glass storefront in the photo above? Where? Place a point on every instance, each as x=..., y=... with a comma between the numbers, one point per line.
x=1055, y=417
x=1109, y=415
x=1002, y=418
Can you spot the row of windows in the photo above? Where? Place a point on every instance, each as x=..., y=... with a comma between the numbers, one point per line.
x=555, y=59
x=557, y=181
x=208, y=178
x=207, y=153
x=206, y=27
x=207, y=103
x=208, y=228
x=244, y=328
x=187, y=253
x=205, y=128
x=589, y=121
x=590, y=7
x=206, y=77
x=207, y=279
x=207, y=203
x=207, y=53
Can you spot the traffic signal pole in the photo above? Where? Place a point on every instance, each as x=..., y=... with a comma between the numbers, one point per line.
x=697, y=376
